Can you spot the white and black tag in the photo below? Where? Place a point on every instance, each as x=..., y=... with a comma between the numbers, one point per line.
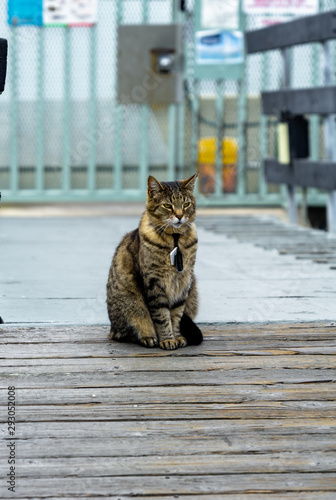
x=173, y=256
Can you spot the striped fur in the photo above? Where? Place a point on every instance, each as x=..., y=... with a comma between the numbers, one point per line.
x=146, y=295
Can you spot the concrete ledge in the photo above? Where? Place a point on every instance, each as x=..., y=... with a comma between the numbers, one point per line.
x=119, y=209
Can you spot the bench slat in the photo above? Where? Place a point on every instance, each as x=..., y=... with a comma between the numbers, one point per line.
x=309, y=29
x=300, y=101
x=318, y=174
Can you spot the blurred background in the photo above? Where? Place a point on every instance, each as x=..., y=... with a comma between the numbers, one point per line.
x=76, y=125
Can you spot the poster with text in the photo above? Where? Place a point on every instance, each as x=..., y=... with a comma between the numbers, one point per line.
x=69, y=12
x=52, y=12
x=281, y=7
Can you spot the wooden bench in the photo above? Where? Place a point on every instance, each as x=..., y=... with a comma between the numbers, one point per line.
x=321, y=101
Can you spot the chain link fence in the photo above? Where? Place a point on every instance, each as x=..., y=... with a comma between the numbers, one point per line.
x=65, y=136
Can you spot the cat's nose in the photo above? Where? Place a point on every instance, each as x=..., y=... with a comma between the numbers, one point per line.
x=179, y=216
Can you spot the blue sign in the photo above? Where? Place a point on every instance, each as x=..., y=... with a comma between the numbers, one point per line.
x=52, y=13
x=25, y=12
x=219, y=47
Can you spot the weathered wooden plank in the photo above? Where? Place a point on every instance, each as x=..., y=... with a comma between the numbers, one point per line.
x=321, y=175
x=179, y=464
x=177, y=484
x=94, y=334
x=210, y=335
x=36, y=367
x=178, y=394
x=118, y=378
x=166, y=445
x=320, y=495
x=114, y=411
x=213, y=348
x=317, y=28
x=278, y=173
x=315, y=100
x=194, y=428
x=201, y=413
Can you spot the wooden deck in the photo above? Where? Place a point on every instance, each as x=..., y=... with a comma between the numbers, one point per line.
x=249, y=414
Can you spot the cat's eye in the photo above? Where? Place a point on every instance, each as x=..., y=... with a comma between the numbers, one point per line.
x=186, y=204
x=167, y=205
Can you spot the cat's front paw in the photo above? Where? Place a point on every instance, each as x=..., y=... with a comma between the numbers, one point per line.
x=149, y=341
x=169, y=344
x=181, y=340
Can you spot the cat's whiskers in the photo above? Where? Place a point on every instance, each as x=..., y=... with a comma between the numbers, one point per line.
x=163, y=227
x=160, y=225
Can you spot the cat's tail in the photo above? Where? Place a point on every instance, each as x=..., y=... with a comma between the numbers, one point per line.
x=190, y=331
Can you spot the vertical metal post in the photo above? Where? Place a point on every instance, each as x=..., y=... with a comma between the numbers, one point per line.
x=178, y=17
x=331, y=211
x=93, y=132
x=39, y=179
x=263, y=127
x=118, y=111
x=14, y=166
x=195, y=126
x=314, y=121
x=143, y=173
x=241, y=177
x=286, y=68
x=171, y=141
x=329, y=136
x=305, y=220
x=292, y=205
x=220, y=120
x=144, y=115
x=242, y=115
x=172, y=125
x=66, y=172
x=180, y=140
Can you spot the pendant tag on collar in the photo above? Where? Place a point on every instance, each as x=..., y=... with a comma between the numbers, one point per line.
x=176, y=259
x=173, y=256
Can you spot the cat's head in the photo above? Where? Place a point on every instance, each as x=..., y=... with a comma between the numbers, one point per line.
x=171, y=205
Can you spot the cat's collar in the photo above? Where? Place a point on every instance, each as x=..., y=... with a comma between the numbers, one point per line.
x=176, y=237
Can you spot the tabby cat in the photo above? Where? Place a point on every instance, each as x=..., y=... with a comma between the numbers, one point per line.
x=151, y=289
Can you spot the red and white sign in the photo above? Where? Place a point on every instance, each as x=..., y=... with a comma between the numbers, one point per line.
x=298, y=7
x=69, y=12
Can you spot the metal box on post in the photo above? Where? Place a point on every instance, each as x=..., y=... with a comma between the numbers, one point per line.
x=150, y=64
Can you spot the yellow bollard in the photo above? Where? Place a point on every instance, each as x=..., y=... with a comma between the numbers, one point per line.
x=207, y=153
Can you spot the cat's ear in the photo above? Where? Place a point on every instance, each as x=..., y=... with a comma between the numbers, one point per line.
x=154, y=186
x=189, y=183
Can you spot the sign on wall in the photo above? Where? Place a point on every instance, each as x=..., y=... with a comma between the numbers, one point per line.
x=301, y=7
x=219, y=47
x=220, y=14
x=52, y=12
x=219, y=41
